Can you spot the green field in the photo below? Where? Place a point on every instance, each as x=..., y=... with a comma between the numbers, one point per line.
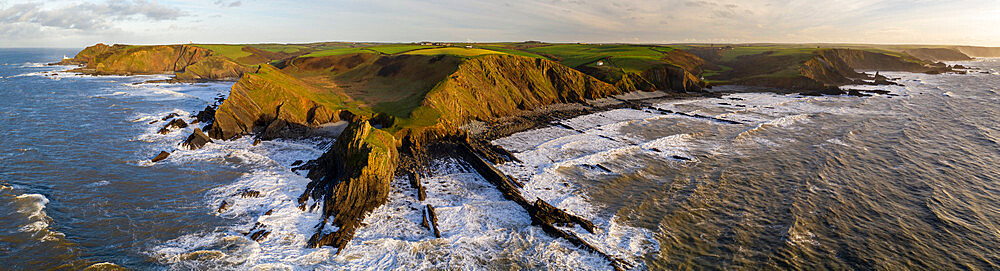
x=731, y=55
x=339, y=51
x=233, y=52
x=454, y=51
x=513, y=51
x=282, y=48
x=630, y=57
x=392, y=49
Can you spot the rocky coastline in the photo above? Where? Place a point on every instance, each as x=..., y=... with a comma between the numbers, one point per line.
x=466, y=102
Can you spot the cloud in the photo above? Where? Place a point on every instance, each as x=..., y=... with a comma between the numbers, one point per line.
x=653, y=21
x=86, y=16
x=228, y=4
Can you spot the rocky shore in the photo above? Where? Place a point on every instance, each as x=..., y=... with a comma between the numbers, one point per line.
x=400, y=109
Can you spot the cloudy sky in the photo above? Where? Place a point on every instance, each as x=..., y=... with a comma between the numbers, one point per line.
x=75, y=23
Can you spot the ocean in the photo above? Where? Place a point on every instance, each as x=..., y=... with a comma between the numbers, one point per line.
x=904, y=180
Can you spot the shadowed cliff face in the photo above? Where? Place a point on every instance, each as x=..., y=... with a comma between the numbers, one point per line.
x=819, y=69
x=350, y=181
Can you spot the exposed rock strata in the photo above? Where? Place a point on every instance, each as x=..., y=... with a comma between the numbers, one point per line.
x=500, y=85
x=143, y=59
x=213, y=68
x=350, y=181
x=273, y=100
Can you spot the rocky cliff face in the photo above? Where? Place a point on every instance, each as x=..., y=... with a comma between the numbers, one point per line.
x=674, y=78
x=212, y=68
x=144, y=59
x=823, y=69
x=867, y=60
x=271, y=102
x=187, y=63
x=85, y=56
x=350, y=181
x=500, y=85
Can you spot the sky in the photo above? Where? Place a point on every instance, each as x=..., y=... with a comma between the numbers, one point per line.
x=76, y=23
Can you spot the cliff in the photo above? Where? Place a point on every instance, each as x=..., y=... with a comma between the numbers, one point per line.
x=87, y=54
x=629, y=67
x=406, y=93
x=937, y=54
x=126, y=60
x=815, y=69
x=188, y=63
x=272, y=102
x=350, y=181
x=975, y=51
x=491, y=86
x=212, y=68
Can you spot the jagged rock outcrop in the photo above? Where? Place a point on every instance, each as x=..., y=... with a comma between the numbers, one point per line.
x=196, y=140
x=269, y=100
x=350, y=180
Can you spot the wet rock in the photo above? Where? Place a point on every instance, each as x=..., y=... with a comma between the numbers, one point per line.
x=176, y=124
x=431, y=221
x=196, y=140
x=223, y=207
x=542, y=213
x=170, y=116
x=207, y=115
x=682, y=158
x=415, y=182
x=160, y=157
x=260, y=235
x=104, y=267
x=249, y=193
x=296, y=163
